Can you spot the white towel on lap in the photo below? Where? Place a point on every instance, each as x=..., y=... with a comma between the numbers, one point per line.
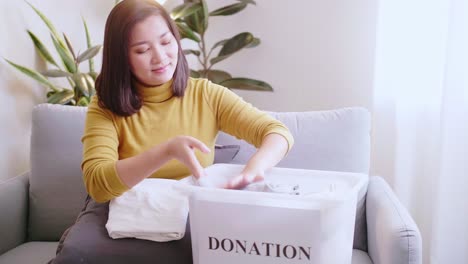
x=151, y=210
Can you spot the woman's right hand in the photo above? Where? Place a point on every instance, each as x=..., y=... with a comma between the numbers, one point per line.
x=183, y=148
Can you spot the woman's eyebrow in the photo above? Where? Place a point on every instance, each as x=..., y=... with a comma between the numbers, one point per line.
x=145, y=41
x=139, y=43
x=164, y=34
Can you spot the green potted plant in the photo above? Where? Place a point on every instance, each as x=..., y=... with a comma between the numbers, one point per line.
x=81, y=83
x=192, y=19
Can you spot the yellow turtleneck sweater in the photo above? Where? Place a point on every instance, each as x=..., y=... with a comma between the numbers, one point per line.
x=205, y=109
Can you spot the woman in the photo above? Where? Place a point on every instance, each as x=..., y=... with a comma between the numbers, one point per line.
x=149, y=118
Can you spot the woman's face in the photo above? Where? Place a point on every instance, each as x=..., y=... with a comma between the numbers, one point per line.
x=152, y=51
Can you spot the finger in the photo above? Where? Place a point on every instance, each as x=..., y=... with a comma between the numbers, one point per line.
x=258, y=178
x=252, y=178
x=233, y=182
x=243, y=180
x=195, y=143
x=237, y=182
x=194, y=165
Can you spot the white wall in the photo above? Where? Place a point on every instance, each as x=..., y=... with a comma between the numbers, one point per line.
x=315, y=54
x=18, y=93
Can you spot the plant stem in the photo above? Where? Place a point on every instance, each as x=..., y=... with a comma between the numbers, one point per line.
x=209, y=53
x=202, y=46
x=199, y=60
x=70, y=81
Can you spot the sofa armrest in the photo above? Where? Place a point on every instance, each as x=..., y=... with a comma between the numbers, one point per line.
x=14, y=211
x=392, y=234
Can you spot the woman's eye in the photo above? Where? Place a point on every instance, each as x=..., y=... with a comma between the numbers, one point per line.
x=141, y=51
x=166, y=43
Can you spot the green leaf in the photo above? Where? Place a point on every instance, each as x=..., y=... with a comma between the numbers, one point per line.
x=90, y=81
x=236, y=43
x=233, y=45
x=45, y=20
x=56, y=73
x=62, y=97
x=255, y=42
x=81, y=83
x=88, y=36
x=216, y=76
x=186, y=32
x=190, y=51
x=94, y=75
x=191, y=22
x=68, y=61
x=88, y=54
x=88, y=44
x=194, y=74
x=204, y=15
x=70, y=47
x=228, y=10
x=43, y=51
x=184, y=10
x=35, y=75
x=198, y=21
x=48, y=24
x=83, y=101
x=248, y=2
x=247, y=84
x=218, y=59
x=219, y=43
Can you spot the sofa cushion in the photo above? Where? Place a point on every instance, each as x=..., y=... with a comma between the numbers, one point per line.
x=41, y=252
x=87, y=241
x=30, y=253
x=334, y=140
x=56, y=192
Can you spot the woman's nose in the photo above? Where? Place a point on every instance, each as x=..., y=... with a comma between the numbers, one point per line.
x=158, y=55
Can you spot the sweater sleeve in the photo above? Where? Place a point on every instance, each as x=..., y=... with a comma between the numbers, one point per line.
x=100, y=154
x=242, y=120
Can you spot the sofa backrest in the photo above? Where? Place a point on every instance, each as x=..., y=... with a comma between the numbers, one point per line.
x=337, y=140
x=334, y=140
x=56, y=190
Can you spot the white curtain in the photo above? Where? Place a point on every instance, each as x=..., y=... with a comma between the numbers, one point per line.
x=420, y=133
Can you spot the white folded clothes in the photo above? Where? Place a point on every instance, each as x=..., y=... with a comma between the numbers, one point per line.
x=151, y=210
x=274, y=187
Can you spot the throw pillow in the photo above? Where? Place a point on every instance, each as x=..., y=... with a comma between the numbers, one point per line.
x=225, y=153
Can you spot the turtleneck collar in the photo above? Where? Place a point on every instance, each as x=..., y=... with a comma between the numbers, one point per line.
x=154, y=94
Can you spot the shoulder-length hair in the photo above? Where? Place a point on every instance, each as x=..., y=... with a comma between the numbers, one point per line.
x=114, y=86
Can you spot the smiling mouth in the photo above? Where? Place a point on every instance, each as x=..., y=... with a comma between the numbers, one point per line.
x=161, y=69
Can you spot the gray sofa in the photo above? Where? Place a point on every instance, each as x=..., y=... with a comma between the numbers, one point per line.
x=39, y=205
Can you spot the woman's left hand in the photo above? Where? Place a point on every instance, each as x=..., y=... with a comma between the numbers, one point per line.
x=272, y=150
x=245, y=178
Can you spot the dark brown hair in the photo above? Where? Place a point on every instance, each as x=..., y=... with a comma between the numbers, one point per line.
x=114, y=86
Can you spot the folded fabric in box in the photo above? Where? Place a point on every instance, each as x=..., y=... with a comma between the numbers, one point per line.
x=151, y=210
